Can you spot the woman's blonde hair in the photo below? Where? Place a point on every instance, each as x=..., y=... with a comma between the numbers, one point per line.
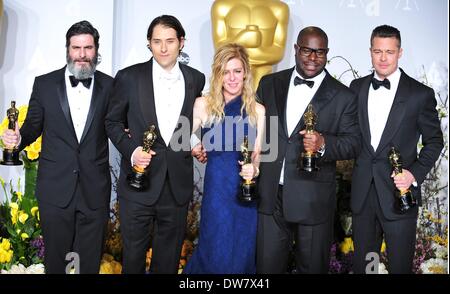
x=214, y=98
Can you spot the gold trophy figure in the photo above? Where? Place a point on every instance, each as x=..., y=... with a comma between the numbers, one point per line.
x=248, y=186
x=404, y=200
x=138, y=179
x=11, y=153
x=308, y=160
x=258, y=25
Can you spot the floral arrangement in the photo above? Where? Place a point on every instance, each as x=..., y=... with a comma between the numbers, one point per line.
x=22, y=246
x=21, y=241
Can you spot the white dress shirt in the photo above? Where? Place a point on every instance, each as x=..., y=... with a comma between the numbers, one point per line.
x=298, y=99
x=379, y=105
x=79, y=99
x=168, y=87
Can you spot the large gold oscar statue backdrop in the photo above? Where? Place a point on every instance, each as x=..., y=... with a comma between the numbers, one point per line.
x=259, y=25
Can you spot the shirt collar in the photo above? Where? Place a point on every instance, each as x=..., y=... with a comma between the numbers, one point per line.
x=393, y=77
x=317, y=79
x=173, y=74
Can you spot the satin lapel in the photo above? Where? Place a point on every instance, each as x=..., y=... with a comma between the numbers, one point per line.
x=282, y=87
x=396, y=114
x=147, y=97
x=189, y=96
x=64, y=103
x=363, y=111
x=96, y=92
x=323, y=95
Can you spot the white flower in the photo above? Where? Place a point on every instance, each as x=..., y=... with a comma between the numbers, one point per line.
x=36, y=269
x=15, y=269
x=440, y=251
x=438, y=76
x=21, y=269
x=434, y=266
x=382, y=269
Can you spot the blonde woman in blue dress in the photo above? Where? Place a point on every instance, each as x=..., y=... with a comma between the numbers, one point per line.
x=227, y=240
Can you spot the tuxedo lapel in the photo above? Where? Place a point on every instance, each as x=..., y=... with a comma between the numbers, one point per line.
x=282, y=87
x=147, y=97
x=363, y=112
x=189, y=94
x=323, y=95
x=95, y=99
x=64, y=103
x=396, y=114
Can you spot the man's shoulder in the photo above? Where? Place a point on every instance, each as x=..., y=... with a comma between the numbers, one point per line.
x=356, y=83
x=419, y=86
x=102, y=75
x=283, y=74
x=56, y=74
x=136, y=67
x=191, y=70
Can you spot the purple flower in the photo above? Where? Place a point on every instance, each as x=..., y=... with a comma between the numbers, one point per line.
x=38, y=243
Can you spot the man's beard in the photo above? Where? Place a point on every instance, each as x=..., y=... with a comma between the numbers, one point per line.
x=85, y=71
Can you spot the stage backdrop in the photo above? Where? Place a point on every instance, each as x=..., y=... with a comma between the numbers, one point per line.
x=32, y=38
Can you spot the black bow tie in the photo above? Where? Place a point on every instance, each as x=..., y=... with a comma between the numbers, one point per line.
x=74, y=82
x=299, y=81
x=376, y=84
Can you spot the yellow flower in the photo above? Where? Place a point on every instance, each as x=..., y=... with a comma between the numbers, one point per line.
x=106, y=267
x=22, y=114
x=5, y=256
x=109, y=266
x=14, y=206
x=24, y=236
x=23, y=217
x=438, y=270
x=32, y=155
x=34, y=209
x=439, y=240
x=19, y=196
x=347, y=245
x=5, y=245
x=383, y=246
x=14, y=216
x=2, y=181
x=34, y=149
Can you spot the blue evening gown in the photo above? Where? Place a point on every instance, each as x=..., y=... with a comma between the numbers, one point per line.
x=227, y=241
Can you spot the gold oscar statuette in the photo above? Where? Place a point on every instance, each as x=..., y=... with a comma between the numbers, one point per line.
x=138, y=178
x=248, y=186
x=404, y=200
x=307, y=161
x=11, y=153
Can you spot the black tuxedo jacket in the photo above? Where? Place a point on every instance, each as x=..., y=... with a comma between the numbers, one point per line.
x=64, y=162
x=307, y=199
x=133, y=107
x=413, y=114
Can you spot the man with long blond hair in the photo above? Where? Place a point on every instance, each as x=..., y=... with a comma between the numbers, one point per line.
x=226, y=114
